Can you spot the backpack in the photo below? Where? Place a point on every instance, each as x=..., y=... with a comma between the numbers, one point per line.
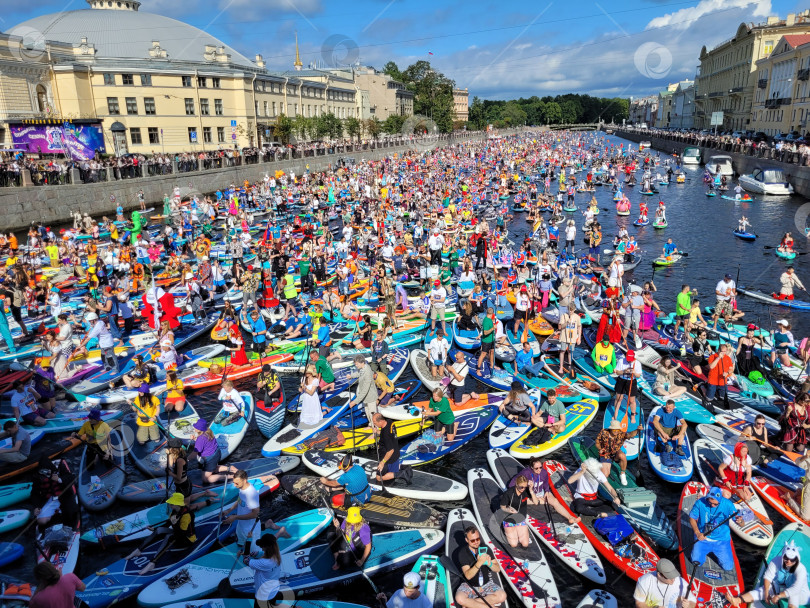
x=614, y=528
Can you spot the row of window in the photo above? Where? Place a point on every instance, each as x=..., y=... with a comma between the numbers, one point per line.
x=153, y=134
x=149, y=108
x=146, y=80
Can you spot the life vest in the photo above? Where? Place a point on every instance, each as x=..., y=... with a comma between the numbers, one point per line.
x=520, y=259
x=290, y=292
x=501, y=287
x=189, y=534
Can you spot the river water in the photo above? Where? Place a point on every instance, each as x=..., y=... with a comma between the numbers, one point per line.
x=700, y=226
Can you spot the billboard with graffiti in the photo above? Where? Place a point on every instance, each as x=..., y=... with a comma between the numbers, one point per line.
x=78, y=142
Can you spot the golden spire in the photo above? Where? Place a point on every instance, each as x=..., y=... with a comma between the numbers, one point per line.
x=297, y=62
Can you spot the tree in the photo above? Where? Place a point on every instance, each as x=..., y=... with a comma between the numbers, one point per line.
x=373, y=127
x=393, y=124
x=353, y=127
x=301, y=127
x=284, y=128
x=477, y=118
x=392, y=70
x=553, y=113
x=513, y=114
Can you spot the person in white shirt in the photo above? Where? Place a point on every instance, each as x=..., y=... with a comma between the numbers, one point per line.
x=522, y=304
x=664, y=588
x=588, y=479
x=437, y=349
x=232, y=404
x=570, y=236
x=410, y=596
x=55, y=303
x=725, y=291
x=105, y=341
x=438, y=297
x=616, y=272
x=435, y=244
x=785, y=579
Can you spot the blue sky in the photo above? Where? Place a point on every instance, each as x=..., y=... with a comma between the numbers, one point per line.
x=498, y=50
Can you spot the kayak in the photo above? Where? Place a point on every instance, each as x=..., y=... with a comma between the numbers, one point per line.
x=99, y=485
x=708, y=458
x=669, y=466
x=785, y=255
x=527, y=571
x=567, y=542
x=309, y=569
x=386, y=510
x=632, y=445
x=422, y=486
x=746, y=236
x=710, y=582
x=577, y=417
x=768, y=299
x=468, y=426
x=645, y=558
x=201, y=577
x=639, y=505
x=121, y=579
x=796, y=533
x=667, y=260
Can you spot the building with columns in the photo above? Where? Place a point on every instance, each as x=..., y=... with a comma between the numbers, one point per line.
x=461, y=104
x=127, y=81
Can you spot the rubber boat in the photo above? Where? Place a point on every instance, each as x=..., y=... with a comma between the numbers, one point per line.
x=766, y=180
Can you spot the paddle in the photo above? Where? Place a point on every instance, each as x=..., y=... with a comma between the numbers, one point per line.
x=110, y=462
x=794, y=456
x=761, y=517
x=448, y=564
x=224, y=587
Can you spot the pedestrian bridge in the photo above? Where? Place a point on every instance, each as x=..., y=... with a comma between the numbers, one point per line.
x=577, y=127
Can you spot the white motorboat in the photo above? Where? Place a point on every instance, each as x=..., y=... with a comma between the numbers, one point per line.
x=691, y=156
x=719, y=164
x=764, y=180
x=644, y=145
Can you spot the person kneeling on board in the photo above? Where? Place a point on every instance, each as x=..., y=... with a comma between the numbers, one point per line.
x=350, y=541
x=351, y=488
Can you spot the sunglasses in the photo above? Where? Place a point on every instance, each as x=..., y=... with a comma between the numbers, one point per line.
x=477, y=539
x=759, y=424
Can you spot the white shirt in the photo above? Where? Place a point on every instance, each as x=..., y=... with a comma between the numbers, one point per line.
x=587, y=484
x=100, y=331
x=231, y=400
x=438, y=295
x=725, y=287
x=462, y=369
x=55, y=302
x=388, y=251
x=522, y=302
x=435, y=242
x=651, y=591
x=570, y=233
x=623, y=365
x=731, y=462
x=437, y=348
x=248, y=500
x=399, y=600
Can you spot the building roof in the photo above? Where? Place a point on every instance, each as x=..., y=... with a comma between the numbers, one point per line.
x=125, y=34
x=797, y=40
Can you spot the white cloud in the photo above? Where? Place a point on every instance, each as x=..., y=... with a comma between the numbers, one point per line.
x=686, y=17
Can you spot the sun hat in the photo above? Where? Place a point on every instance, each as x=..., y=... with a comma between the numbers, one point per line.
x=176, y=499
x=353, y=515
x=201, y=425
x=615, y=425
x=411, y=580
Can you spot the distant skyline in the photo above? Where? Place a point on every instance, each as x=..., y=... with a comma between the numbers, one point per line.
x=498, y=50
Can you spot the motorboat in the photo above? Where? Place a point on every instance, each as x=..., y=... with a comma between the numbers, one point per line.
x=644, y=145
x=691, y=156
x=766, y=180
x=720, y=164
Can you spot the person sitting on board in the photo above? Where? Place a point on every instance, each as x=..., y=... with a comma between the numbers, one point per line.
x=734, y=473
x=664, y=385
x=95, y=434
x=589, y=477
x=610, y=445
x=351, y=541
x=540, y=484
x=25, y=407
x=477, y=564
x=786, y=244
x=551, y=414
x=350, y=488
x=669, y=249
x=460, y=386
x=785, y=579
x=671, y=428
x=233, y=405
x=515, y=503
x=709, y=519
x=439, y=407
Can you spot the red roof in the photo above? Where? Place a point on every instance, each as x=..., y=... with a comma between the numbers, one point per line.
x=797, y=40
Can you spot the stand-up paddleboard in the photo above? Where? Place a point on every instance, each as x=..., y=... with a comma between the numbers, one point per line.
x=597, y=598
x=68, y=422
x=309, y=570
x=566, y=541
x=468, y=426
x=14, y=493
x=413, y=411
x=121, y=579
x=98, y=486
x=632, y=445
x=11, y=520
x=710, y=582
x=422, y=485
x=421, y=367
x=10, y=552
x=236, y=602
x=796, y=533
x=293, y=434
x=668, y=465
x=526, y=569
x=201, y=577
x=577, y=417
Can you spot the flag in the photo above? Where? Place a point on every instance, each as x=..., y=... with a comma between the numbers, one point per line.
x=430, y=53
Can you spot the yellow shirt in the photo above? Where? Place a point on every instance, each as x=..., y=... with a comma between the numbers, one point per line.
x=150, y=409
x=174, y=389
x=53, y=252
x=383, y=382
x=98, y=434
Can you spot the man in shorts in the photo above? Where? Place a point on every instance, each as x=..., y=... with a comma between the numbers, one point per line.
x=570, y=336
x=437, y=354
x=633, y=306
x=609, y=443
x=671, y=428
x=438, y=297
x=683, y=307
x=725, y=291
x=628, y=372
x=24, y=405
x=388, y=466
x=488, y=339
x=459, y=378
x=477, y=565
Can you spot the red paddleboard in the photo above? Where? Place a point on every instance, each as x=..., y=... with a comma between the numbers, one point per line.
x=772, y=493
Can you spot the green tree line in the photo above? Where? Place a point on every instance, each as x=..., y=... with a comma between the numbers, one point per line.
x=562, y=109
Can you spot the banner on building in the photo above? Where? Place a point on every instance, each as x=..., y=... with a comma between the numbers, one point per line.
x=78, y=142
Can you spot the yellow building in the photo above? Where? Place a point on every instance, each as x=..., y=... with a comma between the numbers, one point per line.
x=154, y=84
x=782, y=100
x=461, y=104
x=727, y=75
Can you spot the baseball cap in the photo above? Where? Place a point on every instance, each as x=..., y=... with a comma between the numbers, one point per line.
x=782, y=322
x=727, y=276
x=437, y=282
x=411, y=580
x=667, y=569
x=715, y=493
x=631, y=355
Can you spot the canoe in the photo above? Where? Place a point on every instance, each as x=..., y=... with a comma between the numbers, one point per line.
x=385, y=510
x=201, y=577
x=667, y=465
x=623, y=560
x=632, y=445
x=577, y=417
x=468, y=426
x=796, y=533
x=422, y=486
x=527, y=571
x=710, y=583
x=120, y=580
x=566, y=542
x=708, y=458
x=99, y=485
x=639, y=506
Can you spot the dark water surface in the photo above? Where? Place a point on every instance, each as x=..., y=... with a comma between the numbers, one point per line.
x=699, y=225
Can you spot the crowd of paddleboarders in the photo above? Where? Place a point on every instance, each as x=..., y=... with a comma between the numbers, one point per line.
x=329, y=278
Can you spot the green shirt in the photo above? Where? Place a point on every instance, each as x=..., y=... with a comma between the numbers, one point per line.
x=683, y=303
x=557, y=410
x=443, y=406
x=454, y=258
x=487, y=325
x=303, y=266
x=323, y=368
